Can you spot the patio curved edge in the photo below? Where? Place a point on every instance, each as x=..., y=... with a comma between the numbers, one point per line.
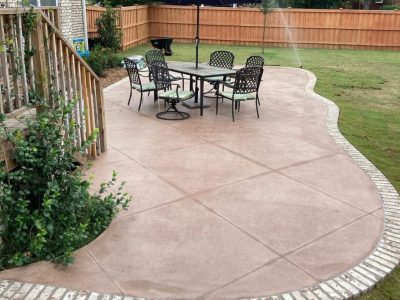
x=348, y=285
x=386, y=255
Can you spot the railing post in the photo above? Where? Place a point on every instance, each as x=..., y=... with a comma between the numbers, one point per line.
x=39, y=60
x=6, y=102
x=57, y=18
x=101, y=114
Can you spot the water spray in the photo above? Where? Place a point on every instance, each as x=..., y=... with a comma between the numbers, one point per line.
x=290, y=36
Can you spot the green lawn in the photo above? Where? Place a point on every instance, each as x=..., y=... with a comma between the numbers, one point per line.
x=366, y=87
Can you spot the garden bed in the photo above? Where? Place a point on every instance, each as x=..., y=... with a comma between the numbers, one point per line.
x=113, y=76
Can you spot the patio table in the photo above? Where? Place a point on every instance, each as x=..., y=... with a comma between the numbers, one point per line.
x=202, y=72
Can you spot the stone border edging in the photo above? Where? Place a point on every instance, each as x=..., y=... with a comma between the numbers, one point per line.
x=348, y=285
x=386, y=255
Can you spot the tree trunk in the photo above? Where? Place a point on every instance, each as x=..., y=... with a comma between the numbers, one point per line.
x=264, y=30
x=366, y=4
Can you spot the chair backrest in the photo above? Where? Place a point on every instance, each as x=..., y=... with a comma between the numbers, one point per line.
x=154, y=55
x=247, y=80
x=133, y=71
x=255, y=61
x=160, y=74
x=222, y=59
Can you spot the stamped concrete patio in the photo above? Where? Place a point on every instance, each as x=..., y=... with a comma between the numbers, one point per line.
x=225, y=210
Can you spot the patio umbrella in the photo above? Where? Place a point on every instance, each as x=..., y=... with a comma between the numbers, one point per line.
x=209, y=3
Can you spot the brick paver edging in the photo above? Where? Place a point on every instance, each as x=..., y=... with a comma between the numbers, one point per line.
x=348, y=285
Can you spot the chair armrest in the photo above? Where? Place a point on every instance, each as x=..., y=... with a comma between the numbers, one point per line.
x=226, y=84
x=177, y=88
x=177, y=85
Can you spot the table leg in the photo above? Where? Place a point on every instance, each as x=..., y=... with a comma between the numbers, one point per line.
x=201, y=95
x=196, y=92
x=191, y=82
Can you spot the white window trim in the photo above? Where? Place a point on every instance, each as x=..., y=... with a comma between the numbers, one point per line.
x=39, y=4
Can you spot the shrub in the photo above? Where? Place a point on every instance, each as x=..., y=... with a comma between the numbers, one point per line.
x=93, y=42
x=115, y=3
x=47, y=210
x=390, y=7
x=101, y=59
x=109, y=34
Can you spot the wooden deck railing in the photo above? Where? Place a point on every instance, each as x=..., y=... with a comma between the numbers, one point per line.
x=54, y=69
x=53, y=13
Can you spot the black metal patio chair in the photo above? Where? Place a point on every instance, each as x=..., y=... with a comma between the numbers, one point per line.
x=251, y=61
x=136, y=82
x=245, y=88
x=255, y=61
x=163, y=81
x=220, y=59
x=155, y=55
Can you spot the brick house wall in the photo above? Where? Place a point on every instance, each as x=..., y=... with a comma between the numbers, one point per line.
x=72, y=19
x=72, y=16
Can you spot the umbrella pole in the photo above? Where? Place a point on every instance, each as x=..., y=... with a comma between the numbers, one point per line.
x=197, y=36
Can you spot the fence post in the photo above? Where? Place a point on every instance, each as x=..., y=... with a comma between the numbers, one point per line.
x=121, y=23
x=136, y=27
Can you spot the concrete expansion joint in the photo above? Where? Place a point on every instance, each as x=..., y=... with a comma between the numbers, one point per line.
x=360, y=279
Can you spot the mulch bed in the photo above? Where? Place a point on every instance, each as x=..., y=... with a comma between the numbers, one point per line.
x=113, y=76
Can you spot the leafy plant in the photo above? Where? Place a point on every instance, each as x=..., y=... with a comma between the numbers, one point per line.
x=109, y=34
x=101, y=59
x=47, y=210
x=390, y=7
x=316, y=3
x=115, y=3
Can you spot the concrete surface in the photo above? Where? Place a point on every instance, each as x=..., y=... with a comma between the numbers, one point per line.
x=225, y=210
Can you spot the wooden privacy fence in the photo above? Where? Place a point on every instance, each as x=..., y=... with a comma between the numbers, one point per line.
x=349, y=29
x=54, y=70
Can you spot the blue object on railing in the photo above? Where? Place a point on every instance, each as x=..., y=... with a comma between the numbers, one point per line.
x=80, y=47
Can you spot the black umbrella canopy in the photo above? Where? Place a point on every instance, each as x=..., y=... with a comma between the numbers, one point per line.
x=209, y=3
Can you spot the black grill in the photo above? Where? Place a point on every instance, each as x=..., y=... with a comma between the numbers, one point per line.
x=163, y=44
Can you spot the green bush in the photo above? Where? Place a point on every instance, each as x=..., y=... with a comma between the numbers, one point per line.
x=109, y=34
x=101, y=59
x=47, y=210
x=389, y=7
x=115, y=3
